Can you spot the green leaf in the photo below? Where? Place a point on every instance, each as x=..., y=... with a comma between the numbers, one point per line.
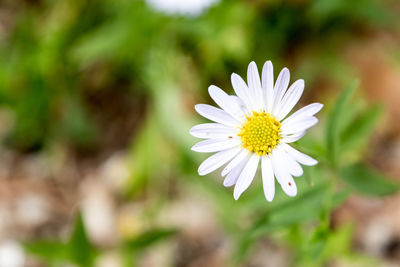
x=360, y=129
x=304, y=207
x=301, y=208
x=367, y=181
x=47, y=250
x=77, y=250
x=311, y=204
x=81, y=251
x=149, y=238
x=325, y=244
x=333, y=128
x=340, y=197
x=147, y=141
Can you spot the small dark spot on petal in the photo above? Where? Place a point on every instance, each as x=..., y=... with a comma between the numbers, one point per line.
x=230, y=137
x=290, y=184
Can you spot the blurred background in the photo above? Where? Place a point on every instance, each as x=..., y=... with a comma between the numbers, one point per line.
x=96, y=102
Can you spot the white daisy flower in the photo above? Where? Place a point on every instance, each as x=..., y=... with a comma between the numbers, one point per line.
x=253, y=127
x=181, y=7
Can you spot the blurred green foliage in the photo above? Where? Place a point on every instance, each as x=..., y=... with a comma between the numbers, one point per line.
x=76, y=250
x=65, y=65
x=59, y=52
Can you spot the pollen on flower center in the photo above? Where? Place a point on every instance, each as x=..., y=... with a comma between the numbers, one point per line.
x=260, y=133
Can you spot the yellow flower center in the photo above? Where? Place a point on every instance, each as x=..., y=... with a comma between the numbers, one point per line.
x=260, y=133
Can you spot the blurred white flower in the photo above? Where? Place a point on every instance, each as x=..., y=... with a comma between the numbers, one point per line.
x=115, y=171
x=181, y=7
x=32, y=210
x=98, y=210
x=11, y=254
x=109, y=259
x=252, y=127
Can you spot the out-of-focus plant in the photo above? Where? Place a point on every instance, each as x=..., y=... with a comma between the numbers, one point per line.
x=78, y=249
x=54, y=49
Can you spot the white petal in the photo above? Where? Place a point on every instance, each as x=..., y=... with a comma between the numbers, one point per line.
x=246, y=176
x=290, y=99
x=241, y=90
x=281, y=85
x=253, y=79
x=298, y=156
x=291, y=164
x=214, y=145
x=228, y=104
x=217, y=160
x=215, y=114
x=303, y=113
x=282, y=176
x=213, y=130
x=292, y=137
x=233, y=176
x=244, y=153
x=298, y=126
x=241, y=104
x=268, y=178
x=268, y=85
